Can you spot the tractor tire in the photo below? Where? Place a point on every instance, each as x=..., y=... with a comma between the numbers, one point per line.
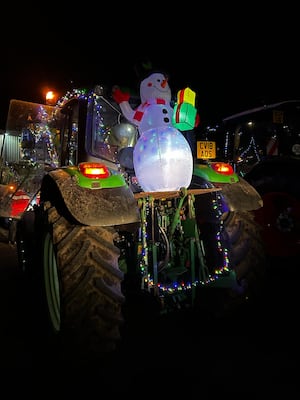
x=82, y=284
x=247, y=256
x=232, y=241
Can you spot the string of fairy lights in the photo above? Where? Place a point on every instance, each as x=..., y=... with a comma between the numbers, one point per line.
x=39, y=132
x=150, y=276
x=150, y=279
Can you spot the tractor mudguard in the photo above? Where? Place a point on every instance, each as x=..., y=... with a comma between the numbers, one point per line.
x=95, y=207
x=241, y=196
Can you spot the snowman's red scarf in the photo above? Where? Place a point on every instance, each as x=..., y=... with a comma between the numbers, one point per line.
x=139, y=113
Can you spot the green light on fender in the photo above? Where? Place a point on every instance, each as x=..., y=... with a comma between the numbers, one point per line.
x=207, y=172
x=113, y=181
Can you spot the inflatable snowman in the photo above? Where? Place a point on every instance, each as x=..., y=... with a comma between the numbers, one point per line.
x=162, y=157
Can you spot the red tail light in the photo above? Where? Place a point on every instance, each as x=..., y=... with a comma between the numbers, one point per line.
x=94, y=170
x=222, y=168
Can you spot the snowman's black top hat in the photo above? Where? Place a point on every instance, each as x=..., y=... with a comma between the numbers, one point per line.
x=145, y=68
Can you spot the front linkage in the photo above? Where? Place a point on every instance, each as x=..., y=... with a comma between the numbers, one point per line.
x=170, y=250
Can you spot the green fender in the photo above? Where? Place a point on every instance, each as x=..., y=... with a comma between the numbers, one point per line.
x=96, y=207
x=241, y=196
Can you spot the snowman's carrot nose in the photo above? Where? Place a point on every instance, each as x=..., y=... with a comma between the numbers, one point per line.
x=164, y=83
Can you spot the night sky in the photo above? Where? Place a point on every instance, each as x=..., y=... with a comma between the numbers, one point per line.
x=234, y=59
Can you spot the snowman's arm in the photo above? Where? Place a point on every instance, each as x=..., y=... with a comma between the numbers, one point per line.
x=122, y=99
x=128, y=111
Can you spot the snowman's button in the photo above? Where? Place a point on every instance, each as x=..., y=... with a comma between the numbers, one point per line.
x=166, y=120
x=165, y=111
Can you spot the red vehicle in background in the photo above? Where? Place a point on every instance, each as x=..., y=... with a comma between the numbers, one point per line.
x=25, y=153
x=20, y=202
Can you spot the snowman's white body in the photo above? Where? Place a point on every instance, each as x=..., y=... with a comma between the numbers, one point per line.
x=162, y=157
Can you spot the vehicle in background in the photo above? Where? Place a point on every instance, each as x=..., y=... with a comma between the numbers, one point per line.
x=263, y=146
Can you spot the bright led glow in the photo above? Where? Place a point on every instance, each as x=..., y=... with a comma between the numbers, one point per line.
x=222, y=168
x=95, y=170
x=50, y=95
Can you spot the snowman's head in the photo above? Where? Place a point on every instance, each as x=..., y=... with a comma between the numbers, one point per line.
x=155, y=86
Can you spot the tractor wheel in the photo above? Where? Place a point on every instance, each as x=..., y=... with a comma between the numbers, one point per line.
x=82, y=284
x=247, y=255
x=231, y=240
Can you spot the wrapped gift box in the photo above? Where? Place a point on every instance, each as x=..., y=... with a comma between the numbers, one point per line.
x=186, y=95
x=184, y=116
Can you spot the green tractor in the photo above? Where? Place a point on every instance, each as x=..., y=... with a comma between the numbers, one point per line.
x=96, y=244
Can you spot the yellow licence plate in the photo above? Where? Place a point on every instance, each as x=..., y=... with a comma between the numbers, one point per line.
x=206, y=149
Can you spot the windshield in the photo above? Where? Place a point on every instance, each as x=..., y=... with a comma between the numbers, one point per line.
x=107, y=131
x=91, y=126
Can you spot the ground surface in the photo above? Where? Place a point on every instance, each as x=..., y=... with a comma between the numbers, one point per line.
x=254, y=352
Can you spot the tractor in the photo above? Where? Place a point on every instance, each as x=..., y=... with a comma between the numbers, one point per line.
x=93, y=243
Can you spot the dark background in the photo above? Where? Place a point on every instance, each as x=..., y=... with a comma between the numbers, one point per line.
x=251, y=354
x=234, y=58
